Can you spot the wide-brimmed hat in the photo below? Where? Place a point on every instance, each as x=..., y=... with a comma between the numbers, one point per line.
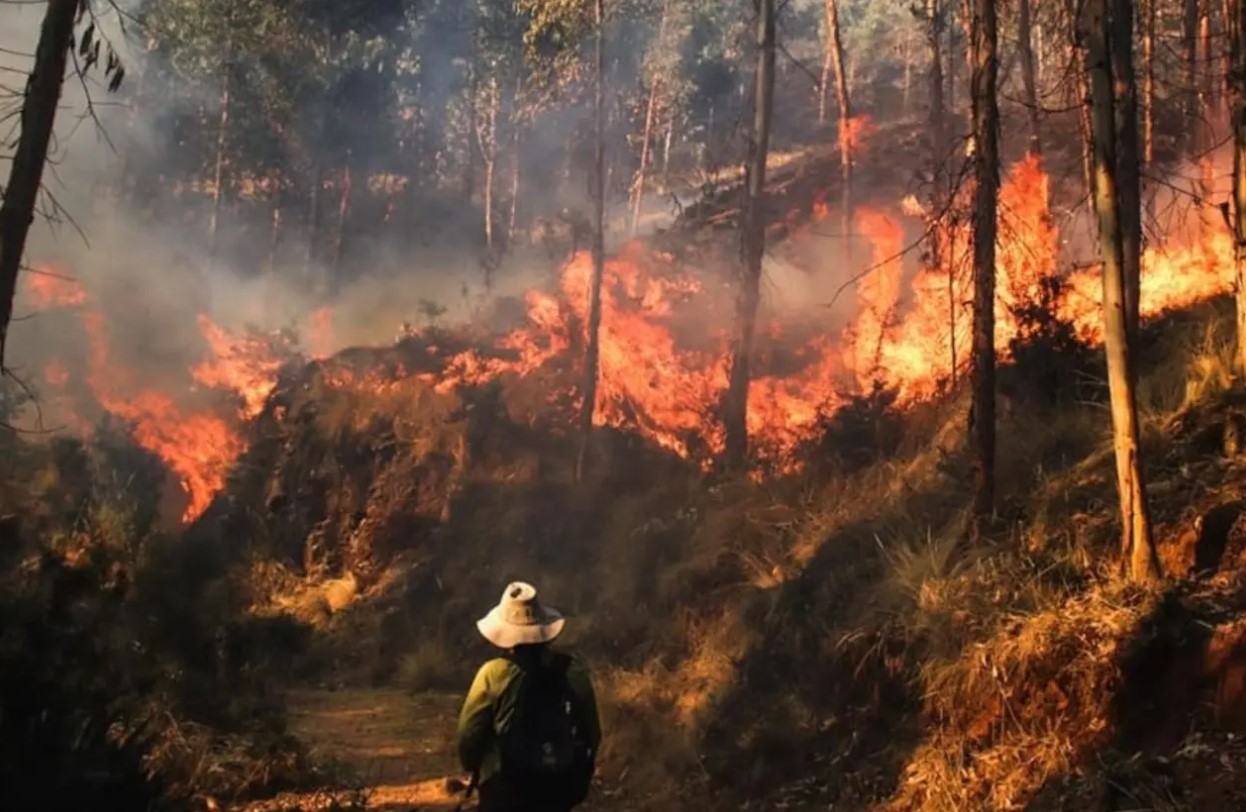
x=519, y=619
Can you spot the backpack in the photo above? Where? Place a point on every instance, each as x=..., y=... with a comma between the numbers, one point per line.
x=544, y=754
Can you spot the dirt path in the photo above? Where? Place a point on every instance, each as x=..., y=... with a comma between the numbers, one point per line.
x=395, y=746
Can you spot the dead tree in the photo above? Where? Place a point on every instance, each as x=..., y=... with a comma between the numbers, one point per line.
x=986, y=174
x=1137, y=546
x=735, y=406
x=43, y=94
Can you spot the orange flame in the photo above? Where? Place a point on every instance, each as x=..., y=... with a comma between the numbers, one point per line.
x=198, y=448
x=47, y=288
x=56, y=373
x=245, y=366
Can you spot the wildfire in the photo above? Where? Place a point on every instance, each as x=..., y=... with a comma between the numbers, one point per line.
x=663, y=374
x=245, y=366
x=197, y=446
x=46, y=288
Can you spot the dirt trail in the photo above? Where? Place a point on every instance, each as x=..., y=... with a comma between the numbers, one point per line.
x=395, y=746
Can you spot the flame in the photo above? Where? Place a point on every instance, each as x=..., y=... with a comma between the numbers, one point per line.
x=665, y=337
x=245, y=366
x=46, y=288
x=853, y=133
x=318, y=331
x=198, y=448
x=56, y=373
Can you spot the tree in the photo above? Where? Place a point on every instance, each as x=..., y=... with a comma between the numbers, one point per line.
x=38, y=116
x=735, y=407
x=1237, y=24
x=1129, y=178
x=1137, y=546
x=835, y=59
x=592, y=352
x=986, y=194
x=1025, y=29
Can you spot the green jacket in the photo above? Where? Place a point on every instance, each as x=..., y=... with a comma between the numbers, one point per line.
x=489, y=707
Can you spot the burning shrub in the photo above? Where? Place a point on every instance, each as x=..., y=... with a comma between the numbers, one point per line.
x=867, y=428
x=1051, y=365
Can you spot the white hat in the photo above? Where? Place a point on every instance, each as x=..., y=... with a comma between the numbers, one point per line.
x=520, y=619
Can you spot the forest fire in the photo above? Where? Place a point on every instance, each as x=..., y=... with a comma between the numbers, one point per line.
x=907, y=338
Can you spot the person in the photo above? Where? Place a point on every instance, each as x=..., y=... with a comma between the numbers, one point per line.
x=529, y=731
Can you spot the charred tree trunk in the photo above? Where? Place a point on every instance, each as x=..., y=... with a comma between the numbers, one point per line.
x=1129, y=179
x=1028, y=79
x=835, y=46
x=592, y=351
x=1237, y=23
x=986, y=192
x=1136, y=544
x=735, y=407
x=218, y=170
x=38, y=115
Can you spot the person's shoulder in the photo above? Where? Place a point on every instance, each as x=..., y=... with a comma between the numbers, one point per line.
x=496, y=670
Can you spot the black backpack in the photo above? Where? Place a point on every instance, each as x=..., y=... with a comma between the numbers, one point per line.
x=545, y=756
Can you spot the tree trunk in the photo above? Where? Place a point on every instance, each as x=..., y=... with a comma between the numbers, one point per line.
x=1136, y=543
x=1237, y=23
x=513, y=218
x=735, y=407
x=270, y=264
x=836, y=46
x=38, y=114
x=938, y=173
x=986, y=191
x=1189, y=43
x=655, y=84
x=469, y=171
x=343, y=217
x=1028, y=80
x=313, y=221
x=592, y=351
x=218, y=171
x=666, y=150
x=1148, y=82
x=1129, y=180
x=1082, y=89
x=908, y=75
